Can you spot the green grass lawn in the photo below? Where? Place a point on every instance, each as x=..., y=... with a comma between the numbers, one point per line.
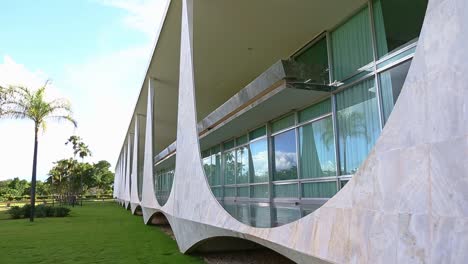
x=100, y=232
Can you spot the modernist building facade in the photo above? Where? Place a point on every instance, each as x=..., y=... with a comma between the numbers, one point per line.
x=331, y=131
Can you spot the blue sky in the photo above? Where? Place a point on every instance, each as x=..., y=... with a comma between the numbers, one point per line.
x=95, y=52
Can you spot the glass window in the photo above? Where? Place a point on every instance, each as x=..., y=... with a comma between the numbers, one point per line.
x=259, y=191
x=284, y=145
x=343, y=183
x=352, y=45
x=217, y=191
x=283, y=123
x=229, y=167
x=286, y=215
x=230, y=191
x=358, y=124
x=397, y=22
x=315, y=58
x=207, y=167
x=241, y=140
x=228, y=144
x=261, y=215
x=163, y=184
x=259, y=160
x=243, y=191
x=285, y=190
x=216, y=159
x=242, y=164
x=317, y=149
x=315, y=111
x=259, y=132
x=319, y=189
x=391, y=82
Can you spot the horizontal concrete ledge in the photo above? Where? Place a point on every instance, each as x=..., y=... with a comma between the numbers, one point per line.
x=285, y=77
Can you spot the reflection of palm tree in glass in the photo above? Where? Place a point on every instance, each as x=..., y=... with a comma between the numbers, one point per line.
x=229, y=167
x=242, y=165
x=351, y=124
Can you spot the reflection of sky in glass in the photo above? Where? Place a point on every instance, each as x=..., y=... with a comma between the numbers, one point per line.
x=285, y=155
x=259, y=154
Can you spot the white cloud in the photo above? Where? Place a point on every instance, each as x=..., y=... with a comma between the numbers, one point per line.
x=103, y=91
x=17, y=137
x=285, y=160
x=142, y=15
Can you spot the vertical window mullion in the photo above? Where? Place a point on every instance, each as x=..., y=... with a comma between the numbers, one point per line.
x=298, y=161
x=270, y=162
x=330, y=57
x=374, y=51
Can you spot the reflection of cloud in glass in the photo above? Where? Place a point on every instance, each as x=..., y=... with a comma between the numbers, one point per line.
x=285, y=160
x=260, y=161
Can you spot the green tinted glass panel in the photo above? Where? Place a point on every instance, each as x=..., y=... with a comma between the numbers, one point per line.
x=285, y=166
x=242, y=169
x=230, y=191
x=163, y=184
x=358, y=124
x=315, y=111
x=352, y=45
x=241, y=140
x=228, y=144
x=217, y=191
x=315, y=59
x=259, y=132
x=215, y=149
x=216, y=163
x=391, y=83
x=286, y=215
x=229, y=167
x=317, y=149
x=243, y=191
x=343, y=183
x=260, y=215
x=283, y=123
x=397, y=22
x=206, y=153
x=208, y=169
x=319, y=189
x=259, y=161
x=259, y=191
x=285, y=191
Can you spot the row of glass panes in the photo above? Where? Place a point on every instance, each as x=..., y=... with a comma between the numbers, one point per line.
x=163, y=184
x=303, y=145
x=355, y=53
x=365, y=41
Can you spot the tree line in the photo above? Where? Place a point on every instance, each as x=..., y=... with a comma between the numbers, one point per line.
x=64, y=180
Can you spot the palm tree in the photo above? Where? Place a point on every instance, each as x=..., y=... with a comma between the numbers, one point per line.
x=24, y=103
x=5, y=94
x=82, y=150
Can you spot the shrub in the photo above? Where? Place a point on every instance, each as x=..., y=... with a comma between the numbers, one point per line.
x=16, y=212
x=61, y=211
x=27, y=210
x=44, y=211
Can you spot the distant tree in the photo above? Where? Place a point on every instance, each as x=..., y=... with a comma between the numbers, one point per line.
x=24, y=103
x=103, y=178
x=82, y=150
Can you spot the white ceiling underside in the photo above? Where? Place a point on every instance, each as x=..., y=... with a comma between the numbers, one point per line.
x=234, y=42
